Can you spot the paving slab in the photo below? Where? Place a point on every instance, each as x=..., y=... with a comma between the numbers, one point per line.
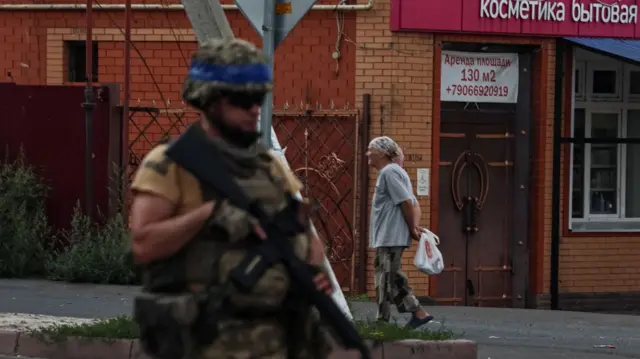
x=500, y=333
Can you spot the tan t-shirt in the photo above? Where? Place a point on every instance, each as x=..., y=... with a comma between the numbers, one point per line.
x=160, y=176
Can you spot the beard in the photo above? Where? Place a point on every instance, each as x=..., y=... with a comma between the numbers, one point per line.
x=233, y=134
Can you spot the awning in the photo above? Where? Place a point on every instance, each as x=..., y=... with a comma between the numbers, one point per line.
x=625, y=50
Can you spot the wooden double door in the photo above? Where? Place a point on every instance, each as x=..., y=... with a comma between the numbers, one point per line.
x=483, y=202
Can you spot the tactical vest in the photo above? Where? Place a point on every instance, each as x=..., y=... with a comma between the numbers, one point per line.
x=222, y=243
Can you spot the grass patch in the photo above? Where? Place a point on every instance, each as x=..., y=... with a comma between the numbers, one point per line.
x=124, y=327
x=358, y=298
x=391, y=331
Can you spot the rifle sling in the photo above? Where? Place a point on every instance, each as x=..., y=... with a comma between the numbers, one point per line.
x=191, y=151
x=215, y=174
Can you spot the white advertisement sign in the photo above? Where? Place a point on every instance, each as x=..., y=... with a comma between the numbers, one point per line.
x=479, y=77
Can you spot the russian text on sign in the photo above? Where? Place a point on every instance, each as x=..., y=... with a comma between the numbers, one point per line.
x=479, y=77
x=542, y=10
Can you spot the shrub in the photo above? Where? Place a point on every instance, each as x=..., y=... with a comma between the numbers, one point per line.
x=94, y=252
x=24, y=231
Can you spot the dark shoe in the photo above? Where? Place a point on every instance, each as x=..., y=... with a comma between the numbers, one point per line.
x=416, y=322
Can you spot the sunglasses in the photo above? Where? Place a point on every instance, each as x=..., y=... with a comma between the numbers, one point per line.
x=245, y=101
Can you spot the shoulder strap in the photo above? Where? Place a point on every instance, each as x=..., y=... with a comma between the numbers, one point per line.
x=193, y=151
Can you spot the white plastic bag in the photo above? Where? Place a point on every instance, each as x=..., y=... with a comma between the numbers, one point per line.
x=428, y=258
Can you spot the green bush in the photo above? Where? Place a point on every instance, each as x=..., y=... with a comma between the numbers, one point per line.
x=94, y=252
x=24, y=231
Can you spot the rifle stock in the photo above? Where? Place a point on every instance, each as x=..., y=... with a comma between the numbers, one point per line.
x=193, y=152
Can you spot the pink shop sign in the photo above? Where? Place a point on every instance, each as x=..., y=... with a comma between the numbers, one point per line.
x=549, y=18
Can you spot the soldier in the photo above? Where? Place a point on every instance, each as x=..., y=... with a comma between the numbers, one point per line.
x=187, y=241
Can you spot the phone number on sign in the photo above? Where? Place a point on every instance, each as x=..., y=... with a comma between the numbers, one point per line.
x=478, y=90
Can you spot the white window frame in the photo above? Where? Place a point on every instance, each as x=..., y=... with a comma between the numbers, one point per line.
x=604, y=66
x=580, y=67
x=628, y=97
x=619, y=103
x=589, y=112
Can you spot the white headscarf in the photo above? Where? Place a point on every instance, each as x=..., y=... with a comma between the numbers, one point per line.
x=399, y=159
x=386, y=146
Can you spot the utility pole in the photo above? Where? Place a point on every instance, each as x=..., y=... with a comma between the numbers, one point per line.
x=125, y=109
x=88, y=106
x=269, y=49
x=275, y=18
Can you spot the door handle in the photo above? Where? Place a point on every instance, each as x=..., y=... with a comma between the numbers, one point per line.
x=468, y=216
x=469, y=206
x=470, y=211
x=473, y=209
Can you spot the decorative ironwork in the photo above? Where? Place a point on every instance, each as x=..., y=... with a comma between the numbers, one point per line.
x=150, y=126
x=321, y=150
x=331, y=165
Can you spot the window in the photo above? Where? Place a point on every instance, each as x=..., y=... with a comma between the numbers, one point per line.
x=603, y=82
x=578, y=81
x=577, y=200
x=632, y=85
x=603, y=164
x=76, y=61
x=632, y=176
x=604, y=192
x=604, y=177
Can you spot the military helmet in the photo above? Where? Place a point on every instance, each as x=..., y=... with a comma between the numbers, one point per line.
x=222, y=66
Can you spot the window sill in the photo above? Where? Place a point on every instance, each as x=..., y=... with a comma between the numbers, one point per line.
x=94, y=83
x=609, y=228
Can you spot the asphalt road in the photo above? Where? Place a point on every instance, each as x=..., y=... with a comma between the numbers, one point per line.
x=500, y=333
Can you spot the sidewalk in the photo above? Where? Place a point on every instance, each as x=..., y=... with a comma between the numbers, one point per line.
x=500, y=333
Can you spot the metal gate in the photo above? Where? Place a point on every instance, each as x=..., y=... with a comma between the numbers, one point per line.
x=321, y=150
x=320, y=147
x=149, y=126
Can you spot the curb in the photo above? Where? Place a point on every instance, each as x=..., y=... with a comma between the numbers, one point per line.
x=24, y=344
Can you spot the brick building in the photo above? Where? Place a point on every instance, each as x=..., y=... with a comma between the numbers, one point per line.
x=487, y=142
x=44, y=44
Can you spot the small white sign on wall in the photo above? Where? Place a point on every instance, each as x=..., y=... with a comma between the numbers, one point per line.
x=422, y=186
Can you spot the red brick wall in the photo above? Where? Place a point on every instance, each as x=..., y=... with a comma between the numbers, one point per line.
x=32, y=50
x=397, y=70
x=400, y=71
x=305, y=70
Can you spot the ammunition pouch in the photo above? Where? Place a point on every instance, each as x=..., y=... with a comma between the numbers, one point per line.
x=166, y=323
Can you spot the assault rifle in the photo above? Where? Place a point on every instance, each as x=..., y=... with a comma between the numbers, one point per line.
x=193, y=151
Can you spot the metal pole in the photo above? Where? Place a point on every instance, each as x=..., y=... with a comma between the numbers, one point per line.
x=88, y=106
x=125, y=107
x=555, y=185
x=268, y=44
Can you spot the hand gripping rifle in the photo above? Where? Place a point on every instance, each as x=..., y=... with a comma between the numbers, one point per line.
x=193, y=152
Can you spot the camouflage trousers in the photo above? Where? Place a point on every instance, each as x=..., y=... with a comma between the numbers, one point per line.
x=392, y=286
x=266, y=339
